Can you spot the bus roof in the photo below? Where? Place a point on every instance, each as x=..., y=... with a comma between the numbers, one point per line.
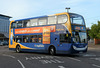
x=38, y=17
x=42, y=16
x=31, y=18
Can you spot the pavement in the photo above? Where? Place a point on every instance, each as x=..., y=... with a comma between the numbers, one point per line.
x=92, y=46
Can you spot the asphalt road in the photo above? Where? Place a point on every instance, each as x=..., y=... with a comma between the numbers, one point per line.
x=11, y=59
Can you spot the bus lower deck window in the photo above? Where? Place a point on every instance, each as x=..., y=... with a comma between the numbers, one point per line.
x=26, y=39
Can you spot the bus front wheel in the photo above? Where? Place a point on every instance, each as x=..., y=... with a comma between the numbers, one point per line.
x=18, y=49
x=52, y=50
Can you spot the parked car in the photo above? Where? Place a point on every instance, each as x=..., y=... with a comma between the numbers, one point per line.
x=3, y=43
x=0, y=43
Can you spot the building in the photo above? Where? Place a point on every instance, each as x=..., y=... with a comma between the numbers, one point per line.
x=4, y=27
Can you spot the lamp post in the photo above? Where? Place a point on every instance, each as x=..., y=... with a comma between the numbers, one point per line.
x=67, y=9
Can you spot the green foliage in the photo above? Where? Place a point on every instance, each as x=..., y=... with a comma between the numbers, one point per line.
x=95, y=31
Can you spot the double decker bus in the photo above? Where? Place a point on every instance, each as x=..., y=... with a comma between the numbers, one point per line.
x=62, y=33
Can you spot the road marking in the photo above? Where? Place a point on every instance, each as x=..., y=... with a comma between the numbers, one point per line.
x=40, y=57
x=74, y=59
x=34, y=57
x=21, y=63
x=27, y=58
x=58, y=61
x=45, y=61
x=51, y=61
x=96, y=65
x=57, y=57
x=61, y=66
x=98, y=59
x=9, y=55
x=89, y=55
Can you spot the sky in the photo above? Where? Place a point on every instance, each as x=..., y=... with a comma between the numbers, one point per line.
x=20, y=9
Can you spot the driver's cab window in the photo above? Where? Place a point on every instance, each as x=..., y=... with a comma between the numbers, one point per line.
x=76, y=37
x=65, y=38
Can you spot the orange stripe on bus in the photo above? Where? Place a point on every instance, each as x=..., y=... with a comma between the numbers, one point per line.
x=33, y=30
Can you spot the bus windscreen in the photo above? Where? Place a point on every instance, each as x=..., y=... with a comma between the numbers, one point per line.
x=76, y=19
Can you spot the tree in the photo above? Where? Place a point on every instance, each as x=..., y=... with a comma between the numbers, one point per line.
x=87, y=30
x=95, y=31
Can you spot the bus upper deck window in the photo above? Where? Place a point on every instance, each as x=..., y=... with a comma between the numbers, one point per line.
x=52, y=20
x=33, y=22
x=26, y=23
x=13, y=25
x=62, y=19
x=42, y=21
x=19, y=24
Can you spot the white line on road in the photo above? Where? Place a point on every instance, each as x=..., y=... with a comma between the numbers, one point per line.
x=58, y=61
x=45, y=61
x=89, y=55
x=9, y=55
x=98, y=59
x=61, y=66
x=96, y=65
x=74, y=59
x=57, y=57
x=53, y=61
x=21, y=63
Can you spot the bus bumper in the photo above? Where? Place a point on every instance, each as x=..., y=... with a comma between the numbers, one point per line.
x=73, y=50
x=79, y=49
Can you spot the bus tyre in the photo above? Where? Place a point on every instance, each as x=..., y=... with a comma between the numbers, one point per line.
x=52, y=50
x=18, y=49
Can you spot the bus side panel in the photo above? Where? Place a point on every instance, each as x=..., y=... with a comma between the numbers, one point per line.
x=61, y=48
x=64, y=48
x=54, y=40
x=34, y=47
